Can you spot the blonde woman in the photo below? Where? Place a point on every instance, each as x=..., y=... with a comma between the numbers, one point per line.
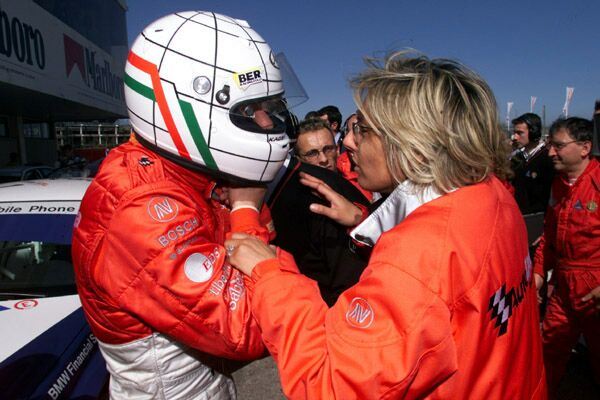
x=445, y=308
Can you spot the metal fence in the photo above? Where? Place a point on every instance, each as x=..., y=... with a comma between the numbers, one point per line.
x=92, y=135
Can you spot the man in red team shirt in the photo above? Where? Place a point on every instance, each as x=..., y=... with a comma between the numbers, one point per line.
x=570, y=246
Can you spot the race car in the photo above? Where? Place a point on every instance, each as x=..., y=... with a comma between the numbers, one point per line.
x=47, y=349
x=24, y=172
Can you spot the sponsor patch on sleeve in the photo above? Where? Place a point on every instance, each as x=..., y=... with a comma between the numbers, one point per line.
x=162, y=209
x=360, y=314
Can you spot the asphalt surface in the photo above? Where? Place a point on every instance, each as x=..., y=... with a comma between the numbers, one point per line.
x=259, y=380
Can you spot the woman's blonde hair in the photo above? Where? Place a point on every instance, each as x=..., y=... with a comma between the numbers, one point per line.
x=438, y=120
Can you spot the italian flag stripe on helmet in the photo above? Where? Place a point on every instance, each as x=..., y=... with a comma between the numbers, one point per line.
x=139, y=87
x=188, y=114
x=159, y=97
x=192, y=123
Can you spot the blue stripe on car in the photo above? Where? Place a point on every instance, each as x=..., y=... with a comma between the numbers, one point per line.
x=54, y=228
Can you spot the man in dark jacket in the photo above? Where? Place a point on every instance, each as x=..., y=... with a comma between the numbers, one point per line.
x=322, y=248
x=531, y=165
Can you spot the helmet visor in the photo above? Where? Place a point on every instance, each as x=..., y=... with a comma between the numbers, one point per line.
x=294, y=91
x=266, y=115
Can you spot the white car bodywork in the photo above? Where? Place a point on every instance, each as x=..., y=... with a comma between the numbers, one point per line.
x=46, y=347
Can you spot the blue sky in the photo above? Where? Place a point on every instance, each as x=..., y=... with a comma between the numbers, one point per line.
x=521, y=48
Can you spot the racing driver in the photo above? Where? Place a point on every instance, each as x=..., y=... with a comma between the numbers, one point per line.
x=148, y=242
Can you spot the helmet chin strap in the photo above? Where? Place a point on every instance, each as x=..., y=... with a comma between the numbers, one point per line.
x=222, y=177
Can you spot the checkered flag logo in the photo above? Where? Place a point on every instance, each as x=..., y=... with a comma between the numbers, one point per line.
x=501, y=308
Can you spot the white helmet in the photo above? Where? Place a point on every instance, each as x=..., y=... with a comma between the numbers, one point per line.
x=204, y=90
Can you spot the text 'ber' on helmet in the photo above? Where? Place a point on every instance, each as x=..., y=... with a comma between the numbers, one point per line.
x=204, y=90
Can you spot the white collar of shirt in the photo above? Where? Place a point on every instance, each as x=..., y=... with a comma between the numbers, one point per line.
x=534, y=151
x=399, y=204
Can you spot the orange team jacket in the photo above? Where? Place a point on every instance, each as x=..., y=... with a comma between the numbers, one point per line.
x=148, y=256
x=446, y=309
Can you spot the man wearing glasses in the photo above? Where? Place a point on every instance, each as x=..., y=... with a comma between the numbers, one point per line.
x=571, y=247
x=315, y=144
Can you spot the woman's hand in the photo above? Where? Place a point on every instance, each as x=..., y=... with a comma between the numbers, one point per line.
x=245, y=251
x=340, y=209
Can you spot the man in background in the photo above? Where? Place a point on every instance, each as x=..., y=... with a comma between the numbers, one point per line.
x=321, y=247
x=570, y=247
x=315, y=144
x=533, y=171
x=333, y=116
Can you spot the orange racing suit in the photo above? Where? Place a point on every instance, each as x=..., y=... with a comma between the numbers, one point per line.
x=153, y=280
x=446, y=309
x=570, y=246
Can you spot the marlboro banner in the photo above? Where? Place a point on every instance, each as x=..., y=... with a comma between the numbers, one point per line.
x=568, y=99
x=532, y=103
x=40, y=53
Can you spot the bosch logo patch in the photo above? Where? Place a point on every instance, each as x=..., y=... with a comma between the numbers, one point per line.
x=163, y=209
x=360, y=314
x=181, y=230
x=26, y=304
